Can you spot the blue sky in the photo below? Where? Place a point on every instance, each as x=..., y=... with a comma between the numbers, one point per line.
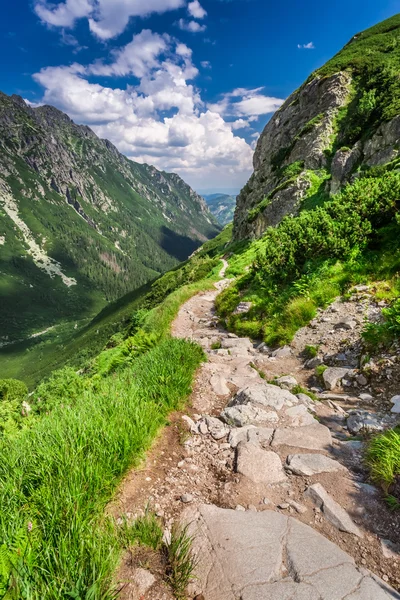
x=186, y=85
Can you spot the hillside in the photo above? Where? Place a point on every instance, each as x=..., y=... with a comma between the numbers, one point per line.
x=342, y=122
x=222, y=206
x=262, y=374
x=81, y=224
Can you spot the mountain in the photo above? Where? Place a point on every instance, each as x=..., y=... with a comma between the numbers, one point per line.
x=81, y=224
x=222, y=206
x=343, y=121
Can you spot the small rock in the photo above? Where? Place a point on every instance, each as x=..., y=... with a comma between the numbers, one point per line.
x=187, y=498
x=202, y=426
x=361, y=380
x=366, y=397
x=240, y=508
x=283, y=505
x=286, y=382
x=298, y=507
x=239, y=434
x=282, y=352
x=314, y=362
x=347, y=323
x=217, y=429
x=143, y=580
x=390, y=549
x=190, y=423
x=242, y=308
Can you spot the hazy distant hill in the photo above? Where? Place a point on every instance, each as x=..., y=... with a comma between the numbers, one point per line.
x=222, y=207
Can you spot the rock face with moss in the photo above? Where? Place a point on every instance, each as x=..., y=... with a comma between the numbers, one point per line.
x=343, y=120
x=80, y=224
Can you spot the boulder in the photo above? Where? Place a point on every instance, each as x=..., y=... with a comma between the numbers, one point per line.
x=258, y=465
x=333, y=375
x=362, y=419
x=332, y=510
x=300, y=416
x=314, y=362
x=265, y=395
x=312, y=464
x=219, y=385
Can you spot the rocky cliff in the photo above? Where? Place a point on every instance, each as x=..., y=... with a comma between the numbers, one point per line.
x=80, y=223
x=342, y=121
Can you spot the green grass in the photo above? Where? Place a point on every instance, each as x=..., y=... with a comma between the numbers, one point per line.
x=182, y=562
x=57, y=477
x=145, y=531
x=383, y=458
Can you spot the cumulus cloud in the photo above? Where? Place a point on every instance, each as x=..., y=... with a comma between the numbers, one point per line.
x=192, y=26
x=243, y=102
x=161, y=119
x=196, y=10
x=107, y=18
x=309, y=46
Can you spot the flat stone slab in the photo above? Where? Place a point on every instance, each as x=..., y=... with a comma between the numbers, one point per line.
x=265, y=395
x=258, y=465
x=241, y=415
x=246, y=555
x=300, y=416
x=332, y=510
x=310, y=437
x=218, y=384
x=312, y=464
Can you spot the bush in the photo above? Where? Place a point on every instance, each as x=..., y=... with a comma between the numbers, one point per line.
x=12, y=389
x=63, y=387
x=383, y=458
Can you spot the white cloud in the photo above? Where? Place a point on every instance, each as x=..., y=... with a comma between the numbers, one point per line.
x=161, y=119
x=192, y=26
x=309, y=46
x=196, y=10
x=206, y=64
x=107, y=18
x=243, y=102
x=239, y=124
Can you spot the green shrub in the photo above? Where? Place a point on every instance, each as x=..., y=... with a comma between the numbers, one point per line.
x=63, y=387
x=311, y=351
x=383, y=458
x=12, y=389
x=320, y=370
x=227, y=301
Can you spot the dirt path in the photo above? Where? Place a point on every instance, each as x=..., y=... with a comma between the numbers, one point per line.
x=263, y=456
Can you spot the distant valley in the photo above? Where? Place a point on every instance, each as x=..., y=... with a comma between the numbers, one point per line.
x=222, y=206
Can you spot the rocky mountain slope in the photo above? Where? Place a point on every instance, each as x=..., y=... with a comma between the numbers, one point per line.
x=343, y=121
x=80, y=223
x=222, y=206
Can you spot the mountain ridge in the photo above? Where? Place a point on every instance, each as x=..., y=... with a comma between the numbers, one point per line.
x=81, y=223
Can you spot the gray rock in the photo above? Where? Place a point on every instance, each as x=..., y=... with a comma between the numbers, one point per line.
x=270, y=556
x=235, y=343
x=307, y=401
x=242, y=308
x=396, y=407
x=216, y=428
x=299, y=508
x=260, y=435
x=239, y=434
x=202, y=427
x=264, y=395
x=314, y=362
x=282, y=352
x=333, y=375
x=390, y=549
x=366, y=397
x=311, y=437
x=239, y=416
x=143, y=580
x=219, y=385
x=361, y=380
x=332, y=510
x=347, y=323
x=258, y=465
x=362, y=419
x=187, y=498
x=300, y=416
x=312, y=464
x=192, y=426
x=286, y=382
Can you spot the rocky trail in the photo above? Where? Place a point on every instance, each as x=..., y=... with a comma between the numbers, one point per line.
x=270, y=481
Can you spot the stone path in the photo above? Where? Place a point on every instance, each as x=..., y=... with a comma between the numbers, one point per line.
x=258, y=480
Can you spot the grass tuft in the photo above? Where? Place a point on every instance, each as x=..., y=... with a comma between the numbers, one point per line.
x=181, y=561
